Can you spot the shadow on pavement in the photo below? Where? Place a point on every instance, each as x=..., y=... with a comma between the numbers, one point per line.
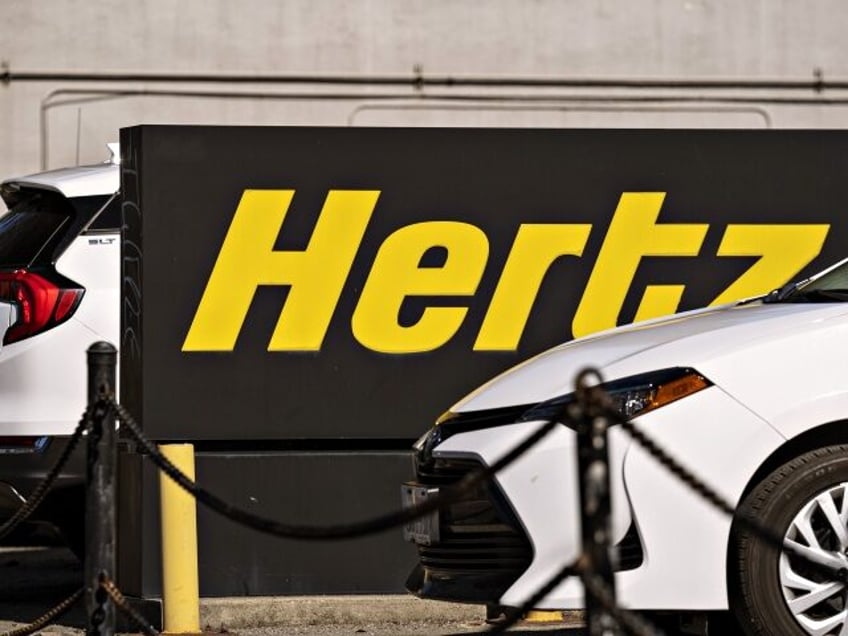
x=34, y=580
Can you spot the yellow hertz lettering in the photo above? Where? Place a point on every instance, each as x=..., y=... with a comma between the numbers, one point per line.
x=248, y=259
x=634, y=233
x=535, y=249
x=396, y=275
x=317, y=275
x=785, y=250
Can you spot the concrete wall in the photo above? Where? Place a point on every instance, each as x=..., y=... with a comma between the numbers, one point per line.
x=625, y=39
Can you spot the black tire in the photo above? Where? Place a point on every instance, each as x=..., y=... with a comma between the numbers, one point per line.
x=753, y=576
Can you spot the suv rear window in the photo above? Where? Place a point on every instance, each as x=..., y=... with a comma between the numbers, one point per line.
x=31, y=228
x=108, y=218
x=42, y=224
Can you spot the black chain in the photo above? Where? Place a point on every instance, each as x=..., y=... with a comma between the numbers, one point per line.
x=592, y=399
x=394, y=519
x=48, y=617
x=123, y=605
x=40, y=492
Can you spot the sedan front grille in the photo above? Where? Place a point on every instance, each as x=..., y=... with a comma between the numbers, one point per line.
x=440, y=472
x=482, y=549
x=478, y=552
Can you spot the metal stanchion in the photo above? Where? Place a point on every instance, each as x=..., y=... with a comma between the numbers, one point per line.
x=593, y=467
x=100, y=490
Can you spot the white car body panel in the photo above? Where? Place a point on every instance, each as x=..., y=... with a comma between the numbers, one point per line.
x=95, y=262
x=684, y=537
x=723, y=434
x=54, y=364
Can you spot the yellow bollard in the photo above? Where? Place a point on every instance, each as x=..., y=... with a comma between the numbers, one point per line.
x=180, y=591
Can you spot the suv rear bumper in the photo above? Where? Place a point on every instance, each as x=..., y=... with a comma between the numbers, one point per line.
x=10, y=500
x=20, y=474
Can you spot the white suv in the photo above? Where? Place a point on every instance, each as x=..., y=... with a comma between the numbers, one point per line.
x=59, y=276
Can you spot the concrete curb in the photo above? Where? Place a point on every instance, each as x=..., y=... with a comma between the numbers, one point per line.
x=262, y=611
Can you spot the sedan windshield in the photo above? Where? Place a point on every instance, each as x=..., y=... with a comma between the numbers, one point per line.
x=830, y=287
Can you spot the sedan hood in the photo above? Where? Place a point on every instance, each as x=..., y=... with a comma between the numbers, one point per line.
x=691, y=339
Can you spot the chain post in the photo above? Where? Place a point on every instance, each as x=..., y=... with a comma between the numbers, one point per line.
x=593, y=468
x=100, y=471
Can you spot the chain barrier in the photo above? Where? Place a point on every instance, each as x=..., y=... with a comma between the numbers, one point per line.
x=40, y=492
x=387, y=521
x=123, y=605
x=48, y=617
x=591, y=400
x=592, y=408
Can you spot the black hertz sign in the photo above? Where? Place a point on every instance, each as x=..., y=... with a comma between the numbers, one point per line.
x=353, y=283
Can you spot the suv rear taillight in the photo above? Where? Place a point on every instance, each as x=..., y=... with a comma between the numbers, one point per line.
x=42, y=304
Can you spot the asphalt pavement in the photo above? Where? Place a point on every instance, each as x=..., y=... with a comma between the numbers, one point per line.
x=33, y=580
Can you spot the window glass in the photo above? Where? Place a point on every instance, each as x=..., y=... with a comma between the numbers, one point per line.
x=835, y=279
x=29, y=228
x=108, y=218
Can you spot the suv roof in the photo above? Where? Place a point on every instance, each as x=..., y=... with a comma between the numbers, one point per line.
x=80, y=181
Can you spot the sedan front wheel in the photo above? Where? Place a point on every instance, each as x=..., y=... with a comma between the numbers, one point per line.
x=775, y=592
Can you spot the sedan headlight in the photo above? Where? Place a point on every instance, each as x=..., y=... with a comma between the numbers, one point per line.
x=631, y=396
x=658, y=390
x=634, y=395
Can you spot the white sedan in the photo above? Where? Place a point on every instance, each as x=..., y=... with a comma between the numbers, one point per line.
x=752, y=397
